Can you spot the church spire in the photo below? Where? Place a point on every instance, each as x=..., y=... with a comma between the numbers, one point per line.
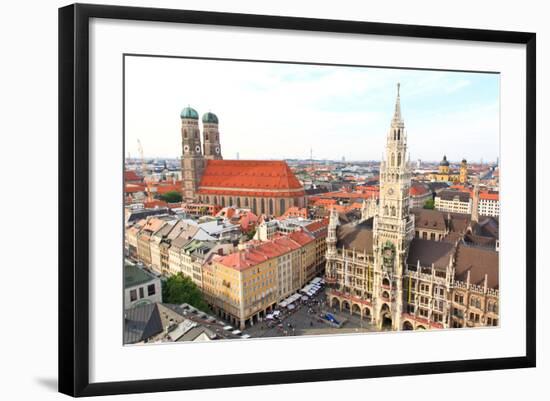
x=397, y=120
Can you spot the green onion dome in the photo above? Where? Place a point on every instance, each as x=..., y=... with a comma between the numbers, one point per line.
x=189, y=112
x=210, y=118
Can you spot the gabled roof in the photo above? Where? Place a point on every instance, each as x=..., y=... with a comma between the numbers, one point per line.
x=356, y=236
x=241, y=260
x=141, y=322
x=429, y=219
x=430, y=252
x=250, y=175
x=479, y=261
x=487, y=227
x=153, y=225
x=319, y=226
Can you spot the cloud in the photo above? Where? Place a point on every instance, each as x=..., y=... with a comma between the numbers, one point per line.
x=269, y=110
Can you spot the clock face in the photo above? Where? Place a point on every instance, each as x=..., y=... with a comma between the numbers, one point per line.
x=390, y=191
x=218, y=151
x=186, y=148
x=197, y=149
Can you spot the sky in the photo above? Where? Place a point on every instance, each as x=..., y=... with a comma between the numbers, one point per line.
x=276, y=111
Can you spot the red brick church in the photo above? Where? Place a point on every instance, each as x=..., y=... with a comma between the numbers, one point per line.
x=264, y=186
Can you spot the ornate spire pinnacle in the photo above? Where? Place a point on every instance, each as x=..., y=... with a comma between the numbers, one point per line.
x=397, y=120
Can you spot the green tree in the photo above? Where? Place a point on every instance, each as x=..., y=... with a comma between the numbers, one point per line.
x=171, y=197
x=179, y=289
x=250, y=234
x=429, y=204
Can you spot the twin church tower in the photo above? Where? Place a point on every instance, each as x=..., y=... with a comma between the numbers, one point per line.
x=194, y=155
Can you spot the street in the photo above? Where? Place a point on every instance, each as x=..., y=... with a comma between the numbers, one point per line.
x=305, y=320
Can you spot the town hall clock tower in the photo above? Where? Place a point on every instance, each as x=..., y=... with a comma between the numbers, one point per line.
x=393, y=227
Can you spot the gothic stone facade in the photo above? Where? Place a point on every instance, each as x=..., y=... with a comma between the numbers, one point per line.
x=405, y=268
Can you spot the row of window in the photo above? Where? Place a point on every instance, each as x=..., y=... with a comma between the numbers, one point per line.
x=264, y=205
x=134, y=293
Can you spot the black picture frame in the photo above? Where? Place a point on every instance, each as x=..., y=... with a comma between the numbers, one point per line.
x=74, y=198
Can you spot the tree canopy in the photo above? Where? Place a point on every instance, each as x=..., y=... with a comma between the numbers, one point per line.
x=171, y=197
x=179, y=289
x=430, y=204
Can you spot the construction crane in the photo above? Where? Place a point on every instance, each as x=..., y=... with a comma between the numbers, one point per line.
x=144, y=171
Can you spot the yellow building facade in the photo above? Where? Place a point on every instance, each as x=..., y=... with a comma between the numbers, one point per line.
x=445, y=174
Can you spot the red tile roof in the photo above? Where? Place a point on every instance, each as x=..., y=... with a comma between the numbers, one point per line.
x=259, y=176
x=489, y=195
x=248, y=220
x=301, y=237
x=241, y=260
x=226, y=212
x=133, y=188
x=263, y=251
x=155, y=203
x=324, y=202
x=164, y=188
x=317, y=225
x=417, y=190
x=294, y=211
x=130, y=175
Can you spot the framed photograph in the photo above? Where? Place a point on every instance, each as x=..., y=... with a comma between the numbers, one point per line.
x=252, y=199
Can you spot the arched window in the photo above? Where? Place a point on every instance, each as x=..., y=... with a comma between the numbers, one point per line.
x=223, y=201
x=270, y=206
x=393, y=159
x=398, y=134
x=398, y=159
x=215, y=200
x=238, y=202
x=185, y=133
x=245, y=202
x=393, y=210
x=254, y=205
x=230, y=201
x=386, y=210
x=282, y=206
x=206, y=136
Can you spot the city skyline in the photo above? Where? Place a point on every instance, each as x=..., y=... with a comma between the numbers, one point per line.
x=450, y=113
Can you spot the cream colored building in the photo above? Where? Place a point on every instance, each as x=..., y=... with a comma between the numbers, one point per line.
x=244, y=286
x=453, y=202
